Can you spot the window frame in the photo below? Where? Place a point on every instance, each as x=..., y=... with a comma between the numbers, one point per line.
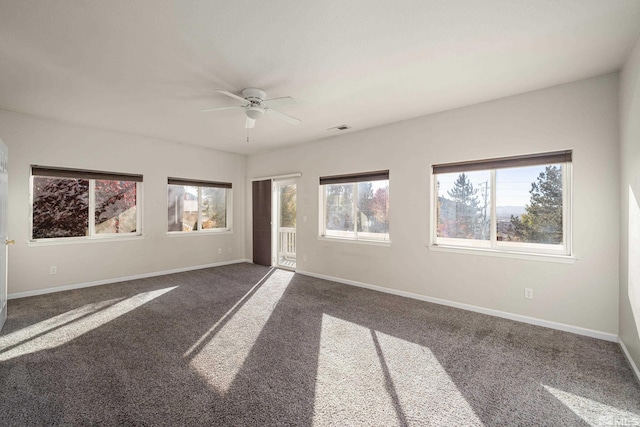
x=352, y=236
x=91, y=176
x=200, y=184
x=493, y=245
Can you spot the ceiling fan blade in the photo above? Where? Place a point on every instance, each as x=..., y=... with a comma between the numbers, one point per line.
x=233, y=95
x=206, y=110
x=276, y=102
x=250, y=123
x=283, y=116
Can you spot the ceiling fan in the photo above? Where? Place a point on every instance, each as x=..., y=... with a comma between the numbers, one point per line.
x=255, y=105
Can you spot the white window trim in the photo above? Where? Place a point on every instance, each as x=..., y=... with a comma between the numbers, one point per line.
x=383, y=243
x=507, y=249
x=209, y=231
x=562, y=259
x=91, y=237
x=58, y=241
x=346, y=236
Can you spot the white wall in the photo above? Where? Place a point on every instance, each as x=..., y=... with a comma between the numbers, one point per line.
x=630, y=204
x=43, y=142
x=581, y=116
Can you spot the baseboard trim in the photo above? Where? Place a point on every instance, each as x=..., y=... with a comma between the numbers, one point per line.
x=627, y=355
x=491, y=312
x=25, y=294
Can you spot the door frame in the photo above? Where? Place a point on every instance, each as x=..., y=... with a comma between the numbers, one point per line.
x=4, y=242
x=258, y=213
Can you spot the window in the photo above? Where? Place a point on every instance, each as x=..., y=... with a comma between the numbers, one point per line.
x=198, y=205
x=514, y=204
x=67, y=203
x=355, y=206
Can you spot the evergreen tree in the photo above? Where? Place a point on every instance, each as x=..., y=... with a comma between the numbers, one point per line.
x=465, y=198
x=439, y=209
x=542, y=221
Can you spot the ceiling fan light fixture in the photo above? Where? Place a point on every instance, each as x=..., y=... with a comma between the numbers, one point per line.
x=255, y=104
x=254, y=112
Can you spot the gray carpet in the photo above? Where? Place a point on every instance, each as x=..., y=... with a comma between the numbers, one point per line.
x=245, y=345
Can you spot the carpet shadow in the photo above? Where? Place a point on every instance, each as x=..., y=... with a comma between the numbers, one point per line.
x=275, y=383
x=503, y=369
x=247, y=345
x=130, y=370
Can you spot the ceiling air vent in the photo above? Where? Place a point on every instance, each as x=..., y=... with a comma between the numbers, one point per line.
x=339, y=128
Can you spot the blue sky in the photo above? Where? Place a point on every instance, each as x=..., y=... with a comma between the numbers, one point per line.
x=512, y=184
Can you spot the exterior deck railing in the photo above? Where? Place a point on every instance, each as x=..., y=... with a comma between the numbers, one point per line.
x=287, y=242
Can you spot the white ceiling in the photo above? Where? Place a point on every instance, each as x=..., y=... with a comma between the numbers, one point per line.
x=147, y=66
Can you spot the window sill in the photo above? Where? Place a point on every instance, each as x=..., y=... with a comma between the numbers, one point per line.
x=383, y=243
x=563, y=259
x=81, y=240
x=198, y=233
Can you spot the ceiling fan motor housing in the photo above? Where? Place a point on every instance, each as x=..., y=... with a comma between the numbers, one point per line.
x=253, y=95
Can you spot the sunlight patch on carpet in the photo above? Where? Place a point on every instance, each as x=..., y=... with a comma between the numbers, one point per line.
x=595, y=413
x=425, y=391
x=221, y=358
x=212, y=330
x=370, y=375
x=350, y=384
x=30, y=332
x=66, y=327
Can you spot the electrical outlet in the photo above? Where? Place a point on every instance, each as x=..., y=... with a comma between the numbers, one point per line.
x=304, y=218
x=219, y=250
x=230, y=249
x=304, y=258
x=528, y=293
x=53, y=270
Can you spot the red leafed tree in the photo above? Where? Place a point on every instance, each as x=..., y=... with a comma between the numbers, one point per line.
x=61, y=205
x=113, y=199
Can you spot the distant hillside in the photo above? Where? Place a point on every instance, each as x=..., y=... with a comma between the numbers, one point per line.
x=505, y=212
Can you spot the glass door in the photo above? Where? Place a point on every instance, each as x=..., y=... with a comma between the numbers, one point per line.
x=285, y=224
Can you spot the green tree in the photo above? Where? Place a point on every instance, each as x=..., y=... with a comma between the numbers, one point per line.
x=380, y=208
x=365, y=206
x=214, y=207
x=542, y=221
x=467, y=218
x=339, y=213
x=288, y=206
x=517, y=230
